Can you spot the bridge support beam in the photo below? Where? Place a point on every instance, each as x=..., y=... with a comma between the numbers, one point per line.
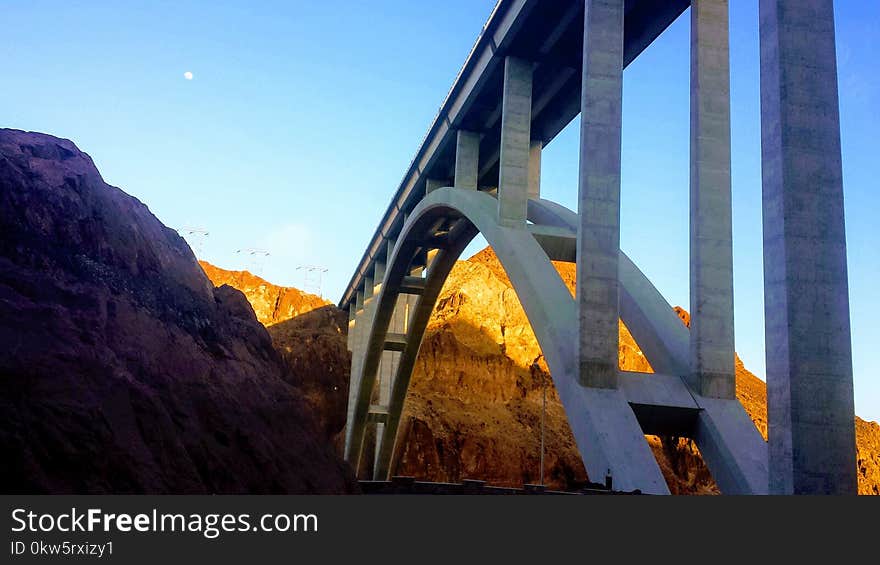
x=467, y=160
x=356, y=327
x=378, y=275
x=599, y=193
x=387, y=363
x=362, y=326
x=433, y=184
x=388, y=369
x=712, y=364
x=535, y=168
x=352, y=317
x=516, y=124
x=807, y=325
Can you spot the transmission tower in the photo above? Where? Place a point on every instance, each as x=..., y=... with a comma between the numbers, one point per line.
x=195, y=237
x=256, y=259
x=313, y=276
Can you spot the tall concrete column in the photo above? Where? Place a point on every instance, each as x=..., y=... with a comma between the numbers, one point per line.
x=352, y=347
x=535, y=148
x=357, y=378
x=807, y=325
x=378, y=275
x=352, y=314
x=516, y=125
x=369, y=308
x=357, y=353
x=385, y=361
x=387, y=365
x=368, y=290
x=467, y=160
x=398, y=326
x=412, y=300
x=388, y=372
x=711, y=226
x=433, y=184
x=598, y=243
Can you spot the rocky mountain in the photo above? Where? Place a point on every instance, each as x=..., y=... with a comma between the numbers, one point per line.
x=474, y=406
x=272, y=304
x=124, y=370
x=317, y=360
x=309, y=334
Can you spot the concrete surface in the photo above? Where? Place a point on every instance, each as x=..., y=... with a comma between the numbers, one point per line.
x=599, y=193
x=807, y=326
x=516, y=121
x=712, y=364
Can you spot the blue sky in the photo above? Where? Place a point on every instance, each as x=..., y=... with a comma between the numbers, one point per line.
x=302, y=117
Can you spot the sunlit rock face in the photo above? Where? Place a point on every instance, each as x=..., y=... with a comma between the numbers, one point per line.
x=123, y=369
x=272, y=304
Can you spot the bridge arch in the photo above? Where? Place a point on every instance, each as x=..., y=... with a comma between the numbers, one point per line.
x=608, y=424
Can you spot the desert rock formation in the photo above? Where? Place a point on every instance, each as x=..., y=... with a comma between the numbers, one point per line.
x=123, y=369
x=272, y=304
x=309, y=333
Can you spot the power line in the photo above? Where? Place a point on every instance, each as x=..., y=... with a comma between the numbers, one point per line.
x=313, y=276
x=195, y=237
x=257, y=258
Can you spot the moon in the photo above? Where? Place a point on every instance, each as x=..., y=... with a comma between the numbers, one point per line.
x=188, y=75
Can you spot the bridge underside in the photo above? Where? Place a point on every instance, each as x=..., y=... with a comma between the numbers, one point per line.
x=550, y=35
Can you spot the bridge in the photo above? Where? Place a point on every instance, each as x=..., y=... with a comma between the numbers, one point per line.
x=536, y=66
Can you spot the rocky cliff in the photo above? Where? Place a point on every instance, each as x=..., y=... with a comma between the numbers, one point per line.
x=272, y=304
x=317, y=362
x=123, y=369
x=309, y=334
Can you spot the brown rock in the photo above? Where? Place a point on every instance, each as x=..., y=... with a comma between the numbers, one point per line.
x=272, y=304
x=123, y=369
x=868, y=447
x=309, y=333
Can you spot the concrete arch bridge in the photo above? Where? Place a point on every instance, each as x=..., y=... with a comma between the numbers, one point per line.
x=534, y=68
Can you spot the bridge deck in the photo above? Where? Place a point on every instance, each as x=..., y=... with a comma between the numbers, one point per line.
x=548, y=32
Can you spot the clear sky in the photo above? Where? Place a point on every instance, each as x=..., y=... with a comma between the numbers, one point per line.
x=301, y=118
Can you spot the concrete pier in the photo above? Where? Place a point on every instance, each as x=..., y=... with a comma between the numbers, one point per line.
x=467, y=159
x=361, y=330
x=433, y=184
x=535, y=149
x=711, y=225
x=598, y=242
x=386, y=364
x=516, y=122
x=807, y=325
